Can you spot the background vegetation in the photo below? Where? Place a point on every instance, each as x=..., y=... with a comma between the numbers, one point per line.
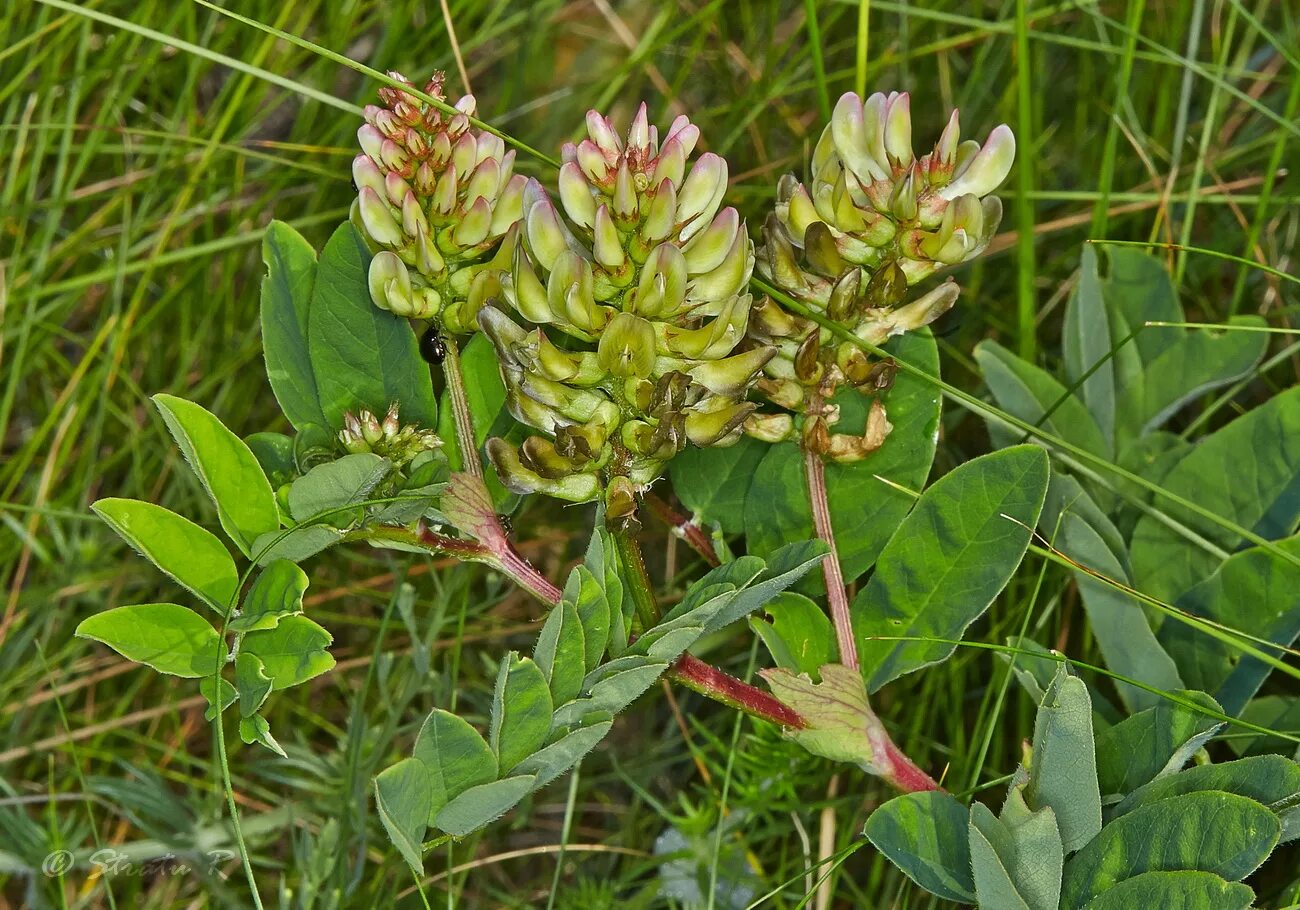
x=140, y=161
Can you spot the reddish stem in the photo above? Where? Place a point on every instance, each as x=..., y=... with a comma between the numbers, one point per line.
x=900, y=770
x=684, y=528
x=695, y=674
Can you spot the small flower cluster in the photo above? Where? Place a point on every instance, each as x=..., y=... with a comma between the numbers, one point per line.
x=364, y=432
x=647, y=282
x=435, y=199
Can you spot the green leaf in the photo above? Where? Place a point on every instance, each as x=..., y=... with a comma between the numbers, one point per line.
x=797, y=632
x=362, y=356
x=864, y=511
x=924, y=834
x=521, y=712
x=839, y=720
x=1175, y=891
x=560, y=652
x=219, y=693
x=226, y=467
x=1260, y=492
x=1117, y=619
x=403, y=796
x=457, y=758
x=328, y=488
x=1016, y=866
x=286, y=299
x=1086, y=342
x=784, y=567
x=293, y=652
x=1220, y=833
x=1253, y=591
x=251, y=682
x=713, y=483
x=295, y=544
x=1271, y=780
x=1025, y=391
x=549, y=763
x=947, y=561
x=186, y=552
x=482, y=805
x=276, y=592
x=168, y=637
x=1202, y=360
x=274, y=452
x=1063, y=767
x=619, y=683
x=584, y=591
x=255, y=729
x=1273, y=712
x=1156, y=741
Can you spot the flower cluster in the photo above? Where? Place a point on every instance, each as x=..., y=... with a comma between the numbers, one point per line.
x=435, y=199
x=364, y=432
x=872, y=221
x=625, y=341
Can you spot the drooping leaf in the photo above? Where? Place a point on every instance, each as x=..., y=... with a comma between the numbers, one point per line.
x=286, y=299
x=924, y=834
x=292, y=652
x=1259, y=493
x=1220, y=833
x=1016, y=866
x=227, y=469
x=362, y=356
x=1175, y=891
x=864, y=510
x=456, y=756
x=256, y=729
x=482, y=804
x=797, y=632
x=947, y=561
x=329, y=487
x=1028, y=392
x=276, y=592
x=403, y=796
x=168, y=637
x=1063, y=767
x=1086, y=342
x=521, y=711
x=191, y=555
x=1156, y=741
x=713, y=483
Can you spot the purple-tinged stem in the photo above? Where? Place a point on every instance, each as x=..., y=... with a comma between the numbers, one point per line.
x=836, y=596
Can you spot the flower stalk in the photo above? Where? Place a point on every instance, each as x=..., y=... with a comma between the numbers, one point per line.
x=836, y=595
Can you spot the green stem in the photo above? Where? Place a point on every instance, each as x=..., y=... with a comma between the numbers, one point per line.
x=638, y=579
x=836, y=595
x=466, y=438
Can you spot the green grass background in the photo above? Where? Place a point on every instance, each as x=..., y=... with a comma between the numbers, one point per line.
x=139, y=163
